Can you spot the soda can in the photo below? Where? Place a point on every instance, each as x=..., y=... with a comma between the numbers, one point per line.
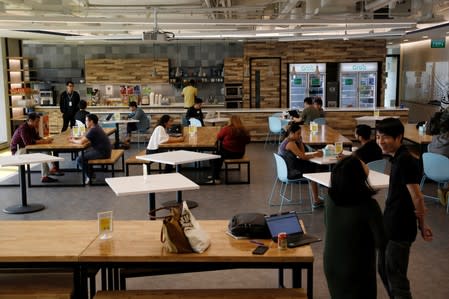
x=282, y=241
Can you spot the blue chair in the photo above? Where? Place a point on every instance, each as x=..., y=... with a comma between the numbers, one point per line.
x=281, y=177
x=274, y=128
x=195, y=122
x=320, y=120
x=378, y=165
x=436, y=168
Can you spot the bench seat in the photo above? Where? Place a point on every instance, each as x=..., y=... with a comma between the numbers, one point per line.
x=280, y=293
x=116, y=154
x=245, y=161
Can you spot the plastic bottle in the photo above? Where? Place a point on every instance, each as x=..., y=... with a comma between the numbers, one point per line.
x=151, y=98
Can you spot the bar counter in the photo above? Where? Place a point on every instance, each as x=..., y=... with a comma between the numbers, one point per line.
x=255, y=119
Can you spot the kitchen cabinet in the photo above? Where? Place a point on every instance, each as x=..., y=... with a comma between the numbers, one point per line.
x=133, y=71
x=20, y=93
x=233, y=69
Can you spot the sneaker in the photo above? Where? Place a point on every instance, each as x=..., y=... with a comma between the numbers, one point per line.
x=56, y=171
x=87, y=181
x=213, y=182
x=317, y=205
x=47, y=179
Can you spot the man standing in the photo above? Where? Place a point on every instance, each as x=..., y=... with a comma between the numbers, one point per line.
x=69, y=105
x=404, y=209
x=99, y=142
x=189, y=92
x=142, y=126
x=27, y=134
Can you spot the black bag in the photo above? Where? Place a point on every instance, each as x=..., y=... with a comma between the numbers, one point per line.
x=251, y=225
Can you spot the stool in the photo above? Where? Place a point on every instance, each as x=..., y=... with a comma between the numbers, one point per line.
x=228, y=162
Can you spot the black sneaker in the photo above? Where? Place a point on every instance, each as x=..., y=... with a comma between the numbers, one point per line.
x=317, y=205
x=47, y=179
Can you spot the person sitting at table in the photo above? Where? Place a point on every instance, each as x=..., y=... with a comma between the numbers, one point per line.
x=293, y=151
x=142, y=126
x=318, y=104
x=160, y=136
x=195, y=111
x=27, y=134
x=81, y=114
x=354, y=229
x=100, y=146
x=232, y=139
x=309, y=113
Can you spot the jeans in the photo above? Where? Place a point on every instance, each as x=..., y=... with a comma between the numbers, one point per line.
x=393, y=265
x=90, y=154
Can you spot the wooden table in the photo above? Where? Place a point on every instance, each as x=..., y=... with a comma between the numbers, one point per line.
x=61, y=144
x=371, y=120
x=137, y=244
x=21, y=161
x=117, y=127
x=411, y=133
x=204, y=140
x=47, y=244
x=376, y=179
x=150, y=184
x=325, y=135
x=215, y=120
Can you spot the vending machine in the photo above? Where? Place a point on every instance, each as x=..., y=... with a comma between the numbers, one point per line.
x=306, y=80
x=358, y=85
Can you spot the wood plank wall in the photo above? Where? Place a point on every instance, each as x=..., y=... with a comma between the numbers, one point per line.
x=135, y=70
x=306, y=52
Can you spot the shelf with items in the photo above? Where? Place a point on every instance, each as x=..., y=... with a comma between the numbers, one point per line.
x=206, y=74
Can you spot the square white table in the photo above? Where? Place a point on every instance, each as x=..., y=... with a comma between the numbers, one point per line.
x=21, y=161
x=376, y=179
x=151, y=184
x=177, y=158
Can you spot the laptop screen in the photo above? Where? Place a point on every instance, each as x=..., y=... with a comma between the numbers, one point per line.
x=287, y=223
x=110, y=115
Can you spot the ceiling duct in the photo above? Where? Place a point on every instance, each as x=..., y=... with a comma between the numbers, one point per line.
x=157, y=34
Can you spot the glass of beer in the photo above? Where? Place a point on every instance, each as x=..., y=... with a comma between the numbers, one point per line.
x=338, y=147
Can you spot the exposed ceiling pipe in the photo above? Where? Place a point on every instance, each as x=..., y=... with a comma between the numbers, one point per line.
x=375, y=5
x=207, y=2
x=287, y=9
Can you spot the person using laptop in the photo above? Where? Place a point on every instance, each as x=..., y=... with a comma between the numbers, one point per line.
x=195, y=111
x=309, y=113
x=293, y=151
x=160, y=136
x=354, y=229
x=142, y=126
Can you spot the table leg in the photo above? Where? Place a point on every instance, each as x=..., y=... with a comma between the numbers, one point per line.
x=24, y=207
x=117, y=136
x=152, y=204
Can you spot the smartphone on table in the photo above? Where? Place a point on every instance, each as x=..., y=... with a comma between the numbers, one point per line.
x=261, y=249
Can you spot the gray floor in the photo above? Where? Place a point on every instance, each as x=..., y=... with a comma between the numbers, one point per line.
x=428, y=269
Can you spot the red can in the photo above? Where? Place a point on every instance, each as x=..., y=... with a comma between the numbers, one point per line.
x=282, y=240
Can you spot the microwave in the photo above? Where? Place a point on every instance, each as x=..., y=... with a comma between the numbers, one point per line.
x=234, y=91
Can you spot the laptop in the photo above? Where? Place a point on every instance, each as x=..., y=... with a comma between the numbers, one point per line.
x=293, y=113
x=110, y=115
x=290, y=224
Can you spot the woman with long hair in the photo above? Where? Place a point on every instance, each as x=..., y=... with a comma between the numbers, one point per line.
x=232, y=139
x=294, y=153
x=354, y=229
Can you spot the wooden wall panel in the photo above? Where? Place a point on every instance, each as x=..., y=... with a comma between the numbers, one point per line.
x=137, y=71
x=233, y=70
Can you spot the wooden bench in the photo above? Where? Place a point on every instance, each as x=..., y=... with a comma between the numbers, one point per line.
x=36, y=285
x=281, y=293
x=228, y=162
x=116, y=154
x=132, y=160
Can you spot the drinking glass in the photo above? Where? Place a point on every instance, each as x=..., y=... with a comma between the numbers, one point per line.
x=338, y=147
x=376, y=113
x=314, y=127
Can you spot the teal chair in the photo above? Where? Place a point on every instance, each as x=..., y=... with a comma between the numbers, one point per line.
x=436, y=168
x=195, y=122
x=282, y=178
x=274, y=129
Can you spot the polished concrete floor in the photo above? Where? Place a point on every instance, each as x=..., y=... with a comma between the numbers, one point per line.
x=428, y=271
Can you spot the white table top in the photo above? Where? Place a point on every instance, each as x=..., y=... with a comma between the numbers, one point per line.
x=27, y=159
x=119, y=121
x=178, y=157
x=156, y=183
x=372, y=117
x=328, y=160
x=216, y=119
x=376, y=179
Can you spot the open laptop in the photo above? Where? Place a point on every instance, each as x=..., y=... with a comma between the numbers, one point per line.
x=109, y=116
x=290, y=224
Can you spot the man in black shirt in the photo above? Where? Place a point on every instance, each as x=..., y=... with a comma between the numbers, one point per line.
x=369, y=150
x=404, y=209
x=69, y=105
x=195, y=111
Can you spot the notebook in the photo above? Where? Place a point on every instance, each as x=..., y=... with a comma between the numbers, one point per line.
x=290, y=224
x=293, y=113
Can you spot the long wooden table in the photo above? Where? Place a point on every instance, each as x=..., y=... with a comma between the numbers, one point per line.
x=204, y=140
x=47, y=244
x=325, y=135
x=411, y=133
x=61, y=144
x=137, y=244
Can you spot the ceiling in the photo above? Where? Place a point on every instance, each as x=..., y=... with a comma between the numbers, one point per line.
x=118, y=21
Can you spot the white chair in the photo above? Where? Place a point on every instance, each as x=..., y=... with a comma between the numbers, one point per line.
x=274, y=129
x=436, y=168
x=195, y=122
x=282, y=177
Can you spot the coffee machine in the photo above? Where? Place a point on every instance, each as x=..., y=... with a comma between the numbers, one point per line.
x=46, y=98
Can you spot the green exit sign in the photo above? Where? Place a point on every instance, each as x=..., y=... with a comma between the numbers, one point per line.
x=438, y=43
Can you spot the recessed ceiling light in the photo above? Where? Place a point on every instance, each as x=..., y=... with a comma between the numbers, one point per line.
x=390, y=43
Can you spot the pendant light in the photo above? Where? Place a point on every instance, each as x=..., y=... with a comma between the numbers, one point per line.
x=178, y=71
x=154, y=73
